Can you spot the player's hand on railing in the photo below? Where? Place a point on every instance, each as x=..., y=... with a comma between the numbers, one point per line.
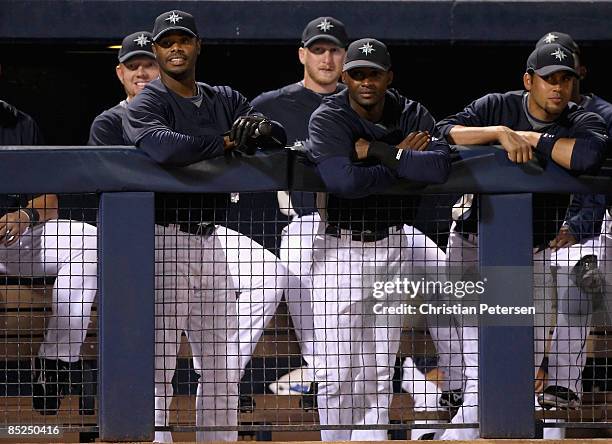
x=519, y=149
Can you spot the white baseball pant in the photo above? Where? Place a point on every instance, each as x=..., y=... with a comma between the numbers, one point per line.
x=567, y=355
x=429, y=262
x=462, y=254
x=67, y=250
x=255, y=309
x=355, y=348
x=195, y=292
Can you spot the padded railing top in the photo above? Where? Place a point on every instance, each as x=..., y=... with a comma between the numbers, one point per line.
x=115, y=169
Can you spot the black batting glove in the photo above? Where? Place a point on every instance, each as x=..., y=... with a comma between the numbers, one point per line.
x=8, y=114
x=244, y=129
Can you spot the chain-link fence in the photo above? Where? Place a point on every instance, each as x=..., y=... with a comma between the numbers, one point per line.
x=297, y=316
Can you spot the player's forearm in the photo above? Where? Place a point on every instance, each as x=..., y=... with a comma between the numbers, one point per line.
x=581, y=155
x=472, y=135
x=431, y=166
x=171, y=148
x=345, y=179
x=46, y=205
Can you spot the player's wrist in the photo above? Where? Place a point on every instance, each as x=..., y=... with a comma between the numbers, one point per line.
x=500, y=132
x=545, y=145
x=388, y=155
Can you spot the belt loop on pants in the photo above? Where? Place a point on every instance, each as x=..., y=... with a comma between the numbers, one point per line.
x=358, y=235
x=204, y=229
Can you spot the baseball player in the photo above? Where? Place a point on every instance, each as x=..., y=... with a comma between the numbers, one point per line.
x=137, y=67
x=575, y=251
x=363, y=140
x=178, y=121
x=324, y=40
x=33, y=242
x=538, y=122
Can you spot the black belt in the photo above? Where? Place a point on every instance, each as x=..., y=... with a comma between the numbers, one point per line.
x=197, y=228
x=361, y=236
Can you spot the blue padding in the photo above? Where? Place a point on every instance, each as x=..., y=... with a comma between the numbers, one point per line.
x=93, y=169
x=88, y=169
x=127, y=311
x=245, y=21
x=506, y=362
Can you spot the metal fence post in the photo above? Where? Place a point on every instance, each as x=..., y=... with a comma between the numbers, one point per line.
x=126, y=310
x=506, y=362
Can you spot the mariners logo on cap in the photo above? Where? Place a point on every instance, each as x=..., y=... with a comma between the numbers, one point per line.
x=142, y=40
x=325, y=25
x=367, y=48
x=174, y=18
x=367, y=53
x=559, y=54
x=550, y=38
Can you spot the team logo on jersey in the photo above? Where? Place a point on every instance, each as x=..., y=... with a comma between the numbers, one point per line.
x=142, y=40
x=174, y=18
x=550, y=38
x=325, y=25
x=559, y=54
x=367, y=49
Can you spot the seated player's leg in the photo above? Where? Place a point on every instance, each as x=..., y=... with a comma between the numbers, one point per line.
x=67, y=250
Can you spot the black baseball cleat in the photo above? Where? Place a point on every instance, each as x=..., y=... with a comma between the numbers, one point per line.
x=427, y=436
x=309, y=399
x=451, y=400
x=246, y=404
x=556, y=396
x=50, y=385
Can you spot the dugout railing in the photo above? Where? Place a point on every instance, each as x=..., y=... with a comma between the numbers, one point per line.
x=126, y=180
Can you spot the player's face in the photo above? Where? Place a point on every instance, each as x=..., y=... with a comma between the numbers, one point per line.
x=322, y=63
x=136, y=72
x=367, y=86
x=177, y=53
x=549, y=95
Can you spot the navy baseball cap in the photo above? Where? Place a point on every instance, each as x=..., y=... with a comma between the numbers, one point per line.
x=367, y=53
x=559, y=38
x=174, y=20
x=325, y=28
x=138, y=43
x=550, y=58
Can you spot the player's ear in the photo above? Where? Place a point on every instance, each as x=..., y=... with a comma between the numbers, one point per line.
x=119, y=72
x=527, y=81
x=344, y=77
x=389, y=78
x=582, y=72
x=302, y=54
x=198, y=45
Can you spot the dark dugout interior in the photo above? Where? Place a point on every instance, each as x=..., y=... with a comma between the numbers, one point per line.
x=64, y=86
